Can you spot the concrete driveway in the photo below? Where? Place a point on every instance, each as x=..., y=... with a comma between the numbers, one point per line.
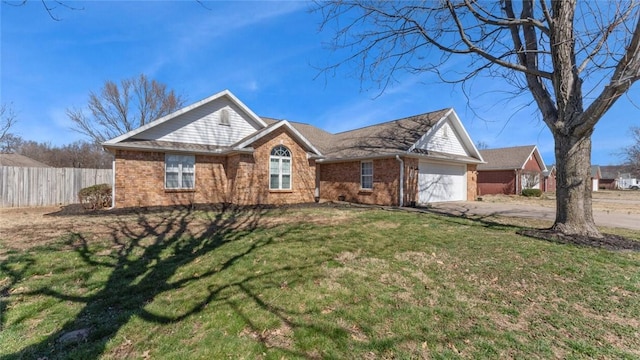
x=602, y=218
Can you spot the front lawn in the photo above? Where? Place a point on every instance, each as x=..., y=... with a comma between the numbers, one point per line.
x=312, y=283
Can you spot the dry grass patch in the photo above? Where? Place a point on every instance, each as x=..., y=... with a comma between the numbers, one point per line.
x=290, y=283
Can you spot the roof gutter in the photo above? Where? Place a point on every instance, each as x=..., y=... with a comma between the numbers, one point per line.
x=401, y=200
x=229, y=151
x=434, y=157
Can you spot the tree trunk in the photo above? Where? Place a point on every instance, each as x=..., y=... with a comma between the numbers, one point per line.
x=573, y=194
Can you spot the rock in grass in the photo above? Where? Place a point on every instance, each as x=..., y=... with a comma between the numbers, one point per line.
x=75, y=336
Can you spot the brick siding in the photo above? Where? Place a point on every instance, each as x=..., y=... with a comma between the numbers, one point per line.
x=472, y=182
x=342, y=179
x=240, y=178
x=496, y=182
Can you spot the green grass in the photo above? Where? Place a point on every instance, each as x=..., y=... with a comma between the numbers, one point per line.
x=317, y=283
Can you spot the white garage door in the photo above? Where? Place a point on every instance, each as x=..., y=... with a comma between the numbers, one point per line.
x=441, y=182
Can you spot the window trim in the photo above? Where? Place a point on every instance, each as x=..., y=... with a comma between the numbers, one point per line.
x=280, y=173
x=363, y=175
x=180, y=172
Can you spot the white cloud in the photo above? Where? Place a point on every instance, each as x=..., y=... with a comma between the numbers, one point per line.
x=201, y=30
x=252, y=85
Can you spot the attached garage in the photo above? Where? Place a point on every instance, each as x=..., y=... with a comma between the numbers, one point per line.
x=439, y=181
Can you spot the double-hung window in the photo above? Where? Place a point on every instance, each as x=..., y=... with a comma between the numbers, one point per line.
x=280, y=168
x=179, y=171
x=366, y=175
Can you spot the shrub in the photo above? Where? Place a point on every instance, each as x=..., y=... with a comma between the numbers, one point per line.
x=96, y=196
x=531, y=192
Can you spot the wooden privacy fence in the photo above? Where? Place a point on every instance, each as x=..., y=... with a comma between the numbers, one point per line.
x=39, y=186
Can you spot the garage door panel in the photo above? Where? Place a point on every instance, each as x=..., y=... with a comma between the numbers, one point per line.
x=441, y=182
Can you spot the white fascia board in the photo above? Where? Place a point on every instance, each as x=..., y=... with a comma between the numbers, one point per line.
x=228, y=151
x=403, y=154
x=278, y=125
x=360, y=158
x=431, y=130
x=444, y=158
x=186, y=109
x=535, y=152
x=455, y=120
x=460, y=129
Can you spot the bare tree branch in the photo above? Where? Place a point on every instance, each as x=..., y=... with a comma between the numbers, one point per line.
x=7, y=120
x=554, y=51
x=118, y=109
x=49, y=5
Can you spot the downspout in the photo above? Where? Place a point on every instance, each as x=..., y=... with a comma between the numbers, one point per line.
x=316, y=193
x=113, y=182
x=401, y=200
x=517, y=182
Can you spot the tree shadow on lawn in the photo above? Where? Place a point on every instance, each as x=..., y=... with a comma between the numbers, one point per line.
x=139, y=271
x=608, y=241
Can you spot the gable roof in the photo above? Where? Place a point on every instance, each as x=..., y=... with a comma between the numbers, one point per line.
x=406, y=136
x=396, y=137
x=319, y=138
x=269, y=129
x=20, y=161
x=385, y=138
x=595, y=172
x=509, y=158
x=175, y=114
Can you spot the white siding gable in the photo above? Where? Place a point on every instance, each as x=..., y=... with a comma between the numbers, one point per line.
x=202, y=125
x=442, y=138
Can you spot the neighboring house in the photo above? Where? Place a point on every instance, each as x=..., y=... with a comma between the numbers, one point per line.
x=549, y=179
x=617, y=177
x=219, y=151
x=609, y=176
x=509, y=170
x=19, y=161
x=596, y=175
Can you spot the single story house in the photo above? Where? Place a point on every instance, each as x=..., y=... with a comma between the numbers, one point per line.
x=19, y=161
x=509, y=170
x=549, y=179
x=618, y=177
x=609, y=176
x=219, y=151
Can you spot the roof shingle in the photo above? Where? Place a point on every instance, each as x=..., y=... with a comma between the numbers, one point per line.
x=19, y=160
x=505, y=158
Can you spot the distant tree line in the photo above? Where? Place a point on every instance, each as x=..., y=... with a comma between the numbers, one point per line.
x=79, y=154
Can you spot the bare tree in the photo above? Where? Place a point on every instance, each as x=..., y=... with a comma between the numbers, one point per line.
x=7, y=120
x=50, y=6
x=481, y=145
x=118, y=109
x=632, y=152
x=78, y=154
x=574, y=60
x=530, y=179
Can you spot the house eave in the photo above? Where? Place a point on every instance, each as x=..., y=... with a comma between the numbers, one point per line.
x=169, y=149
x=405, y=154
x=454, y=159
x=283, y=123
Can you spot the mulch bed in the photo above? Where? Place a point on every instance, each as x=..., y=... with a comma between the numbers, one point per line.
x=608, y=241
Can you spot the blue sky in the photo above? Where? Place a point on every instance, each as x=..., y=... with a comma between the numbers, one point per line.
x=267, y=53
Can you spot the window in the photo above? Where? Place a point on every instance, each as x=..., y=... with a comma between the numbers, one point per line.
x=366, y=175
x=280, y=169
x=179, y=171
